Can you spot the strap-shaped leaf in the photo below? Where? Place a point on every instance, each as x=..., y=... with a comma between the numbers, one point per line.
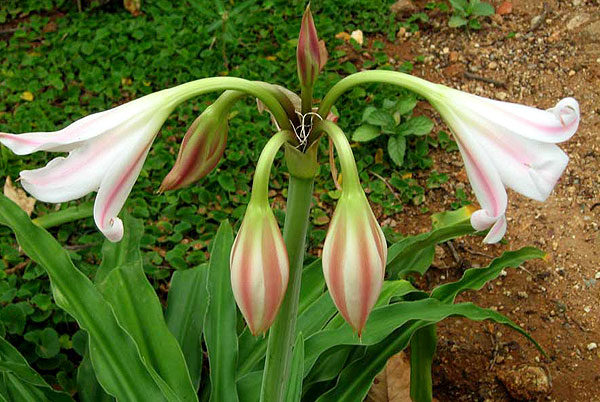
x=385, y=320
x=422, y=351
x=416, y=253
x=114, y=355
x=88, y=388
x=355, y=380
x=186, y=310
x=330, y=363
x=220, y=326
x=293, y=391
x=21, y=383
x=313, y=285
x=248, y=386
x=139, y=312
x=70, y=214
x=125, y=252
x=476, y=278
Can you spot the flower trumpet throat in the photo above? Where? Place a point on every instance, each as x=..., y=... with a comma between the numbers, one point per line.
x=355, y=249
x=259, y=260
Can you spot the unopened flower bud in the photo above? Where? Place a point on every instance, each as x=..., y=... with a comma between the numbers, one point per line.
x=259, y=268
x=355, y=250
x=311, y=53
x=203, y=144
x=259, y=260
x=354, y=257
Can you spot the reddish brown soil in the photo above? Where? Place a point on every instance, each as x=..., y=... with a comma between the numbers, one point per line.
x=557, y=300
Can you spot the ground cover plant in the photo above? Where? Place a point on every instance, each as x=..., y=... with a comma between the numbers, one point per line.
x=122, y=270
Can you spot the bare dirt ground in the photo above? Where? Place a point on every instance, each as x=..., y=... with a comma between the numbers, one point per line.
x=537, y=54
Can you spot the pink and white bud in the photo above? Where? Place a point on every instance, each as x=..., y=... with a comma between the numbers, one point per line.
x=354, y=258
x=259, y=268
x=311, y=53
x=201, y=150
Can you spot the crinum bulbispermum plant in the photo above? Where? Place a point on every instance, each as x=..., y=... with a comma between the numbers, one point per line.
x=300, y=342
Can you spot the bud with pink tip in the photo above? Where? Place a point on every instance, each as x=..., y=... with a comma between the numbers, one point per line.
x=259, y=260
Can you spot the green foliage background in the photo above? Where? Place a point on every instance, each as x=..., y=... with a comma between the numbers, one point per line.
x=58, y=64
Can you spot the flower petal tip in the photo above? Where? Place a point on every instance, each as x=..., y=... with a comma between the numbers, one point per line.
x=114, y=230
x=568, y=112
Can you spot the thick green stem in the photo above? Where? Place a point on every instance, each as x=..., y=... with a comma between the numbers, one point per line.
x=281, y=336
x=203, y=86
x=426, y=89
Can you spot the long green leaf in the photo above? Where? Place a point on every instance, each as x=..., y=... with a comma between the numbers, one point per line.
x=312, y=286
x=88, y=388
x=248, y=386
x=476, y=278
x=114, y=355
x=20, y=383
x=139, y=312
x=220, y=327
x=416, y=253
x=422, y=351
x=125, y=252
x=70, y=214
x=355, y=380
x=293, y=391
x=385, y=320
x=329, y=364
x=187, y=304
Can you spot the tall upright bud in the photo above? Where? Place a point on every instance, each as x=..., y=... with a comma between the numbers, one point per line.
x=203, y=144
x=311, y=56
x=259, y=260
x=355, y=251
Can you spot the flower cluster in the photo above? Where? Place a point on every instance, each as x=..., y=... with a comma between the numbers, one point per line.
x=502, y=144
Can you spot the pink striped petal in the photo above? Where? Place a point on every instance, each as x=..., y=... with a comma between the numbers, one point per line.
x=259, y=268
x=354, y=257
x=557, y=124
x=482, y=172
x=80, y=173
x=529, y=167
x=116, y=186
x=128, y=115
x=497, y=231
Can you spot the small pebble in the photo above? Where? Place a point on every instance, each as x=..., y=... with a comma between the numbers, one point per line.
x=592, y=346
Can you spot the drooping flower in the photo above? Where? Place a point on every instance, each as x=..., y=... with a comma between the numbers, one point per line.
x=259, y=260
x=106, y=153
x=507, y=144
x=355, y=249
